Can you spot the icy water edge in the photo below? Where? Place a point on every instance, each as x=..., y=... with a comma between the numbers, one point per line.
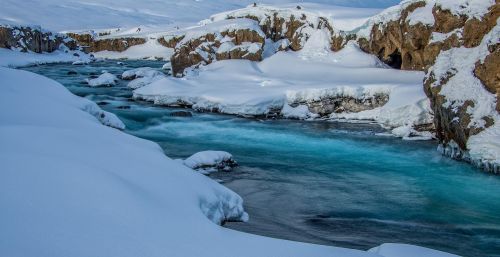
x=320, y=182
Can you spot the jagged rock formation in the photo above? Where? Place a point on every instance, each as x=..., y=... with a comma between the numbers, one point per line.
x=33, y=39
x=92, y=43
x=238, y=39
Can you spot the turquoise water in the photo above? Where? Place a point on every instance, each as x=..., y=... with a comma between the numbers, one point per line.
x=321, y=182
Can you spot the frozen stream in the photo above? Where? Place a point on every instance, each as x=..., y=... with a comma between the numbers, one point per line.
x=320, y=182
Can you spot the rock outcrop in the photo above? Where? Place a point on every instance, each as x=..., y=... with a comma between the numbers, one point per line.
x=33, y=39
x=238, y=39
x=327, y=105
x=458, y=48
x=92, y=43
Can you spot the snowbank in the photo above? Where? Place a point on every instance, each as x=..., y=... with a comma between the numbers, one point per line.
x=209, y=161
x=251, y=88
x=105, y=79
x=13, y=58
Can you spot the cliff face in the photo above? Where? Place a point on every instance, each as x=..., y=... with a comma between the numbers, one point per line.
x=32, y=39
x=458, y=48
x=91, y=43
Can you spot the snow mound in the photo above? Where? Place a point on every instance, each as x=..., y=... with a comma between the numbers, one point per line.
x=105, y=79
x=210, y=161
x=300, y=112
x=142, y=76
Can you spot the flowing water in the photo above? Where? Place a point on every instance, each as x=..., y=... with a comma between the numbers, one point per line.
x=320, y=182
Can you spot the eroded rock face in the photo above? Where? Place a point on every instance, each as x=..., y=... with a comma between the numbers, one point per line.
x=90, y=43
x=33, y=39
x=229, y=44
x=416, y=47
x=338, y=104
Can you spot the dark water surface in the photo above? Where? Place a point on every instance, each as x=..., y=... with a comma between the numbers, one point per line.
x=320, y=182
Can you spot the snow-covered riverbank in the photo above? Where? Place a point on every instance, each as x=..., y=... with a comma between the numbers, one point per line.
x=71, y=186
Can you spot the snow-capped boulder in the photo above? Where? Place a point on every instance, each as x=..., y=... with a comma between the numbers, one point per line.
x=142, y=76
x=210, y=161
x=104, y=80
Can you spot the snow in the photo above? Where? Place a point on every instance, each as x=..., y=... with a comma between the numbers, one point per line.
x=210, y=161
x=70, y=186
x=300, y=112
x=13, y=58
x=142, y=76
x=422, y=15
x=256, y=88
x=439, y=37
x=398, y=250
x=105, y=79
x=140, y=72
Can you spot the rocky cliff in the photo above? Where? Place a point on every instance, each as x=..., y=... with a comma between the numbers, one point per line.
x=34, y=39
x=457, y=44
x=95, y=43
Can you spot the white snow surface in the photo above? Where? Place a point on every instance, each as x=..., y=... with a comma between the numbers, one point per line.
x=105, y=79
x=207, y=158
x=70, y=186
x=254, y=88
x=142, y=76
x=14, y=58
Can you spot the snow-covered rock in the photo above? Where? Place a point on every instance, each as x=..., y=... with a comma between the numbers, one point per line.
x=105, y=79
x=210, y=161
x=300, y=112
x=142, y=76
